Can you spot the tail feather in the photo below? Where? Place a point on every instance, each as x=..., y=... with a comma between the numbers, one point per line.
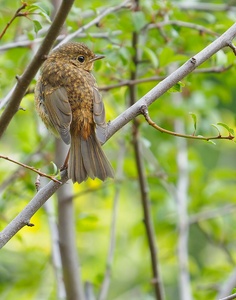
x=87, y=159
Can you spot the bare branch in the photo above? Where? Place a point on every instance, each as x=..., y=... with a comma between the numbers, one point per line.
x=101, y=15
x=143, y=184
x=28, y=43
x=197, y=27
x=129, y=82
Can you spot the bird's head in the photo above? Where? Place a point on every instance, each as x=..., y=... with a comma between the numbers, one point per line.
x=76, y=53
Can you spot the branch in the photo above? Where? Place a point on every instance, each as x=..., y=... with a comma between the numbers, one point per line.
x=30, y=168
x=27, y=43
x=144, y=111
x=24, y=80
x=101, y=15
x=143, y=183
x=182, y=24
x=130, y=82
x=17, y=14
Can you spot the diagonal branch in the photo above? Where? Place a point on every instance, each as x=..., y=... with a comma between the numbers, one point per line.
x=17, y=14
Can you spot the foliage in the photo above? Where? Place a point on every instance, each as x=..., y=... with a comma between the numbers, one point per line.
x=203, y=98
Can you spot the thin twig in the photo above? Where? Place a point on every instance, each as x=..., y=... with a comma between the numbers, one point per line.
x=17, y=14
x=130, y=82
x=144, y=111
x=95, y=21
x=30, y=168
x=197, y=27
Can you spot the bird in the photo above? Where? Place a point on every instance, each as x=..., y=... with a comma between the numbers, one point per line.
x=69, y=103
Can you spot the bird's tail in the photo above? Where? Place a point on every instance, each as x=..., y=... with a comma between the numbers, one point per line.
x=87, y=159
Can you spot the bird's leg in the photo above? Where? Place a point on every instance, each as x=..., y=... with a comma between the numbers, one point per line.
x=65, y=165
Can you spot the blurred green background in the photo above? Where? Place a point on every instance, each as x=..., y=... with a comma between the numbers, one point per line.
x=26, y=269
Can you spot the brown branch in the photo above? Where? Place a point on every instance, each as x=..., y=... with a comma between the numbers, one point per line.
x=145, y=113
x=130, y=82
x=143, y=184
x=30, y=168
x=197, y=27
x=17, y=14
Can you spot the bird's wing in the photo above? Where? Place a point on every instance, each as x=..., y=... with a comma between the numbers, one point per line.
x=99, y=115
x=59, y=111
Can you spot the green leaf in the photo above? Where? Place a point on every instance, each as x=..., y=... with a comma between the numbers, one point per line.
x=37, y=26
x=139, y=20
x=176, y=88
x=194, y=117
x=213, y=125
x=233, y=290
x=211, y=142
x=152, y=56
x=230, y=130
x=43, y=12
x=55, y=168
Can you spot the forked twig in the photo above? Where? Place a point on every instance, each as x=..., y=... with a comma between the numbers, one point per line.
x=17, y=14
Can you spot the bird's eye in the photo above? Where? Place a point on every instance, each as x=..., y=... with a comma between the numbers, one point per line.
x=81, y=58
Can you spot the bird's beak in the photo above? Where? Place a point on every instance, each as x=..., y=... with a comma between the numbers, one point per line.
x=96, y=57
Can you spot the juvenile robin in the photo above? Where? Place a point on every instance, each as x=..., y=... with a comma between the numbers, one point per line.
x=68, y=101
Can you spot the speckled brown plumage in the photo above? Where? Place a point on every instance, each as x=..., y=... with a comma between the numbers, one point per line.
x=68, y=101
